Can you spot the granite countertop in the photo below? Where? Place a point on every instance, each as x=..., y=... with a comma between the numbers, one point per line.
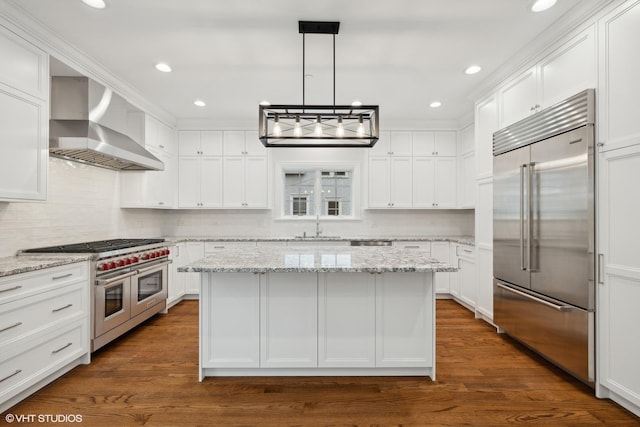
x=25, y=263
x=467, y=240
x=326, y=259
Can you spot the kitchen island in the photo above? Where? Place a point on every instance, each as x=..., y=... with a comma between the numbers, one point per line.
x=317, y=310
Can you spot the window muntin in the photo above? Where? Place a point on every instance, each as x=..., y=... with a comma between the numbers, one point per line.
x=318, y=191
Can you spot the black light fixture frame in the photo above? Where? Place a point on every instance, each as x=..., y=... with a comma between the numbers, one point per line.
x=295, y=125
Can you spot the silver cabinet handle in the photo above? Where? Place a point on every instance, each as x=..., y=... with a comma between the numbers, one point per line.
x=55, y=310
x=62, y=277
x=69, y=344
x=601, y=269
x=562, y=308
x=15, y=325
x=530, y=217
x=412, y=247
x=10, y=289
x=522, y=186
x=11, y=375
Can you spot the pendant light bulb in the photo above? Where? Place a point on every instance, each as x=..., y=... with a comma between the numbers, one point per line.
x=297, y=130
x=277, y=130
x=318, y=128
x=360, y=128
x=340, y=129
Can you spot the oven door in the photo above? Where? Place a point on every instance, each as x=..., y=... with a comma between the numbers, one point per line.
x=149, y=287
x=112, y=306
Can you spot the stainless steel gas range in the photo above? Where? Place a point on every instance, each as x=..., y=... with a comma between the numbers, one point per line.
x=129, y=278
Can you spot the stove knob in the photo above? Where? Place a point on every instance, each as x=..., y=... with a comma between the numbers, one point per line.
x=112, y=264
x=121, y=263
x=156, y=254
x=104, y=266
x=127, y=261
x=167, y=251
x=135, y=259
x=145, y=256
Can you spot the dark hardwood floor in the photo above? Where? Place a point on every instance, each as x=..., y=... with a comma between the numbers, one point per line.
x=149, y=377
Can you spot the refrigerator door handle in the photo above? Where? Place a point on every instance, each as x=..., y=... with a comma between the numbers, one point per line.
x=562, y=308
x=530, y=177
x=522, y=177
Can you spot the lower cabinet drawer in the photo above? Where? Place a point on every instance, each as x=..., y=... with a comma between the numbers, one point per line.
x=27, y=363
x=21, y=318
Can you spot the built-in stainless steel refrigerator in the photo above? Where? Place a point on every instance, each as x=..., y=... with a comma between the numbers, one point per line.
x=543, y=233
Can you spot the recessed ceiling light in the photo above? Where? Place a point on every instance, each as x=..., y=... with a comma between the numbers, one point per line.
x=473, y=69
x=265, y=103
x=356, y=104
x=199, y=103
x=161, y=66
x=435, y=104
x=540, y=5
x=97, y=4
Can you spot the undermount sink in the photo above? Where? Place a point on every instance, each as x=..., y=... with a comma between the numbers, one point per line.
x=318, y=237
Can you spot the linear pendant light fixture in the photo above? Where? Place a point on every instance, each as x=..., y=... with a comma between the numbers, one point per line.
x=318, y=125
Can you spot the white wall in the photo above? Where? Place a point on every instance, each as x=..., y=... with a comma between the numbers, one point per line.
x=82, y=205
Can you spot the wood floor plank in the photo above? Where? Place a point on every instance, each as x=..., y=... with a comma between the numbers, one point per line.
x=149, y=377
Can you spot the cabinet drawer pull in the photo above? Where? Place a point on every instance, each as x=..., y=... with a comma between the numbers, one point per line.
x=11, y=375
x=55, y=310
x=10, y=289
x=468, y=251
x=412, y=247
x=11, y=327
x=69, y=344
x=62, y=277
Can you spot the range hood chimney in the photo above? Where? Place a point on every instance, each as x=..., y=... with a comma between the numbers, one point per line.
x=87, y=124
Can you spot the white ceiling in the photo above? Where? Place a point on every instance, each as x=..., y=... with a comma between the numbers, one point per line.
x=399, y=54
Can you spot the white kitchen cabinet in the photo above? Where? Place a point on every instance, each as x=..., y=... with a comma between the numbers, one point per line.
x=484, y=247
x=151, y=132
x=566, y=70
x=404, y=304
x=618, y=124
x=45, y=319
x=288, y=311
x=231, y=324
x=618, y=277
x=397, y=143
x=200, y=182
x=24, y=119
x=210, y=248
x=245, y=182
x=176, y=282
x=454, y=276
x=191, y=251
x=415, y=245
x=200, y=143
x=436, y=143
x=468, y=277
x=486, y=123
x=346, y=320
x=466, y=169
x=242, y=143
x=390, y=182
x=440, y=251
x=434, y=182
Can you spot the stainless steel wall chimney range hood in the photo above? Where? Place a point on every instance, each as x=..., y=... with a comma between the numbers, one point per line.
x=87, y=124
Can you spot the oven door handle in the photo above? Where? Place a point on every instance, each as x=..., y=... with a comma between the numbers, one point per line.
x=154, y=266
x=103, y=282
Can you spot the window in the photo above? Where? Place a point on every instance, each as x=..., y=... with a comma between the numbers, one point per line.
x=321, y=192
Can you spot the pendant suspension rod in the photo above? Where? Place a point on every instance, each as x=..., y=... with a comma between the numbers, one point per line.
x=303, y=75
x=334, y=74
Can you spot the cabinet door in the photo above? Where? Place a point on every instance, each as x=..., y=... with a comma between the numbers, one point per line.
x=189, y=182
x=454, y=276
x=176, y=282
x=467, y=175
x=445, y=143
x=231, y=325
x=440, y=251
x=423, y=144
x=518, y=98
x=288, y=315
x=24, y=146
x=379, y=182
x=211, y=182
x=468, y=281
x=445, y=180
x=383, y=146
x=253, y=145
x=189, y=143
x=233, y=182
x=24, y=66
x=401, y=182
x=423, y=182
x=256, y=182
x=569, y=69
x=485, y=125
x=404, y=302
x=193, y=251
x=233, y=143
x=211, y=143
x=346, y=320
x=619, y=278
x=400, y=143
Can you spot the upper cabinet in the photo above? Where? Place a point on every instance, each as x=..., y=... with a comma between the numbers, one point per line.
x=564, y=71
x=618, y=124
x=486, y=123
x=24, y=119
x=242, y=143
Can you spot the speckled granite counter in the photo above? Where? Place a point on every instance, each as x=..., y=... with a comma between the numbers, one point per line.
x=467, y=240
x=22, y=264
x=317, y=259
